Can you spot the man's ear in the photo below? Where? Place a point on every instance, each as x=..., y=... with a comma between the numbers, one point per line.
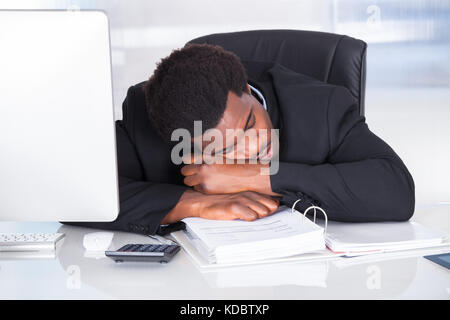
x=248, y=89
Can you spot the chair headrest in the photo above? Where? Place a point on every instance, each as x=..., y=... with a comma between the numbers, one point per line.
x=331, y=58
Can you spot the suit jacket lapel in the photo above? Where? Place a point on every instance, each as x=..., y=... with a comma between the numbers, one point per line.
x=302, y=103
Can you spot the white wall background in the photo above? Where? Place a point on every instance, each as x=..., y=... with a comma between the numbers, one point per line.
x=408, y=83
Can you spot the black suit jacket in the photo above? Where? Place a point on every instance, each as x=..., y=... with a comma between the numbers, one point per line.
x=328, y=156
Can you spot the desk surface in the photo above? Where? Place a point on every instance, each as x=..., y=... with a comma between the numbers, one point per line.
x=74, y=274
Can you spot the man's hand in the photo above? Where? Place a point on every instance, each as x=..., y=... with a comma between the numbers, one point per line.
x=244, y=205
x=227, y=178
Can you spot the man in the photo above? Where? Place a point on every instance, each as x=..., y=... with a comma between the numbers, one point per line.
x=327, y=154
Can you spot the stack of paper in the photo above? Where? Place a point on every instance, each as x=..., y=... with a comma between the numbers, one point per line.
x=282, y=234
x=365, y=238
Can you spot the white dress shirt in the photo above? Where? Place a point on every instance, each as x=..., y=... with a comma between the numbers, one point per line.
x=259, y=94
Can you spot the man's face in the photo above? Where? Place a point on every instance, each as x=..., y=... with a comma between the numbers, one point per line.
x=245, y=128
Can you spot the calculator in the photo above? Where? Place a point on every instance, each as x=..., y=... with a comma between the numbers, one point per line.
x=162, y=253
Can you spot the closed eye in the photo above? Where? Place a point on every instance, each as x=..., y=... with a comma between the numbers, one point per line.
x=250, y=123
x=251, y=120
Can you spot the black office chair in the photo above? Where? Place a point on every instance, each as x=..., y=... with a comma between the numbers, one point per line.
x=332, y=58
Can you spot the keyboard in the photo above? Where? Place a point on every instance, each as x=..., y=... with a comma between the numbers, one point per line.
x=29, y=241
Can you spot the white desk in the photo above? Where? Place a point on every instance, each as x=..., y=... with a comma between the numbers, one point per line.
x=72, y=275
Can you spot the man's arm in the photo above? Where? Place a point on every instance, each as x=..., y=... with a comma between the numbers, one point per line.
x=363, y=180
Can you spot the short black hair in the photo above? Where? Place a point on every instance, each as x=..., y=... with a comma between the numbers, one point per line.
x=192, y=83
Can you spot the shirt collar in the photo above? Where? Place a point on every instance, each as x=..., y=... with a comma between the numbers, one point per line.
x=259, y=94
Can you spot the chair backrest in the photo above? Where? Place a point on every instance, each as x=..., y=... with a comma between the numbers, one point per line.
x=332, y=58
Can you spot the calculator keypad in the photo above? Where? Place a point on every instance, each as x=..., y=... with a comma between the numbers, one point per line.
x=148, y=248
x=162, y=253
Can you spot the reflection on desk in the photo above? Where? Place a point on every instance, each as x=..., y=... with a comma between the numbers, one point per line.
x=76, y=274
x=181, y=278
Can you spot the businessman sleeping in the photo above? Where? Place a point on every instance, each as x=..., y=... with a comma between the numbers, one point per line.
x=292, y=138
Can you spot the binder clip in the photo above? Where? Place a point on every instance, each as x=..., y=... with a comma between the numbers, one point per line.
x=315, y=208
